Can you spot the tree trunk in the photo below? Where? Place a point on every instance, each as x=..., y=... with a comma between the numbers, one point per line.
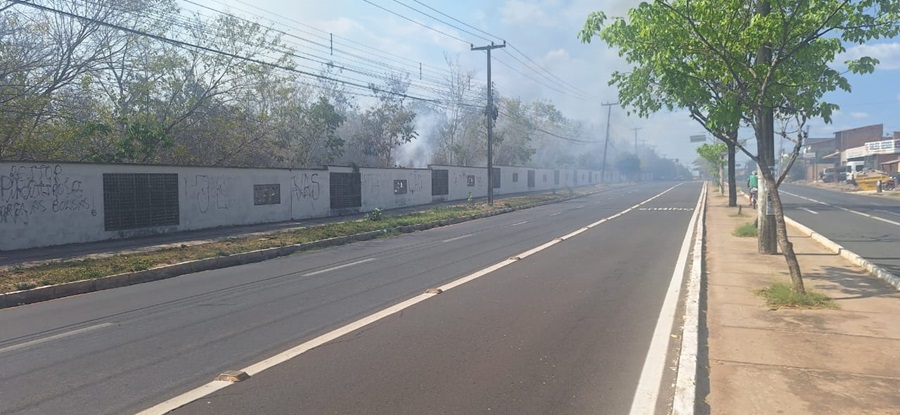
x=732, y=180
x=787, y=248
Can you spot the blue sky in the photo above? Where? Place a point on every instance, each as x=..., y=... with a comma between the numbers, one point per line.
x=544, y=31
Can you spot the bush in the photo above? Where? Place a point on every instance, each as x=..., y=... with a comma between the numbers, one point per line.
x=375, y=215
x=747, y=230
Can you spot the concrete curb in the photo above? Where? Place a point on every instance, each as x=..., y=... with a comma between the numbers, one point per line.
x=879, y=272
x=685, y=398
x=51, y=292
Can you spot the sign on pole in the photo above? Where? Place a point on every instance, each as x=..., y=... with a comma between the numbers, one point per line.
x=698, y=138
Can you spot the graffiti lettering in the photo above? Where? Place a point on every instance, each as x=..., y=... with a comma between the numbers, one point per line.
x=209, y=191
x=306, y=186
x=417, y=184
x=28, y=191
x=371, y=182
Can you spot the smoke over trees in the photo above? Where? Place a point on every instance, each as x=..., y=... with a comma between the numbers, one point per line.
x=141, y=81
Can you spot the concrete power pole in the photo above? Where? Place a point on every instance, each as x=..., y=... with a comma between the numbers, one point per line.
x=768, y=238
x=489, y=112
x=606, y=143
x=635, y=139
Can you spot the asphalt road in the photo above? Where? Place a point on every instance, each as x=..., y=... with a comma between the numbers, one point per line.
x=563, y=331
x=865, y=224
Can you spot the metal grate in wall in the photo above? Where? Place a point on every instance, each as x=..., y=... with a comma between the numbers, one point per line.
x=530, y=178
x=496, y=178
x=440, y=182
x=556, y=177
x=346, y=190
x=266, y=194
x=139, y=200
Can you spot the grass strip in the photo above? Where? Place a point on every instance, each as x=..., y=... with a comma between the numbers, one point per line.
x=782, y=295
x=23, y=278
x=746, y=230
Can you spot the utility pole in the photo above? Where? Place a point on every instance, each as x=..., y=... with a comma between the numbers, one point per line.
x=489, y=112
x=765, y=145
x=635, y=139
x=606, y=143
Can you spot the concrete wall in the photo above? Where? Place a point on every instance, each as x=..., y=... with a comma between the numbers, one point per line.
x=48, y=204
x=464, y=181
x=45, y=204
x=384, y=188
x=310, y=195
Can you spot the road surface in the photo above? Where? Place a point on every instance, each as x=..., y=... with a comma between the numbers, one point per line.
x=565, y=330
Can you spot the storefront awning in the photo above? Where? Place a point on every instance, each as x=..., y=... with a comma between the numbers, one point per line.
x=832, y=155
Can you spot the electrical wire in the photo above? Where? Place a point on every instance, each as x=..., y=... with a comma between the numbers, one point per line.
x=189, y=45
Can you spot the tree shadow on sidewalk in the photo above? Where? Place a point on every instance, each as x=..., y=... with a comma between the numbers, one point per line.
x=849, y=283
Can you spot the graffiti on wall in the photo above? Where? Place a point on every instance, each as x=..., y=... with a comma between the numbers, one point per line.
x=418, y=182
x=371, y=183
x=209, y=192
x=306, y=186
x=30, y=191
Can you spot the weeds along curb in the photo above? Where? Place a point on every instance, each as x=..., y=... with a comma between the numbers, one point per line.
x=879, y=272
x=51, y=292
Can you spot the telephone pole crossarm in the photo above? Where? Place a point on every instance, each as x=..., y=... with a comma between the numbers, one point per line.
x=489, y=113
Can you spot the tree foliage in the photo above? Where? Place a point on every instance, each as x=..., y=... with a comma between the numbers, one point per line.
x=143, y=81
x=734, y=62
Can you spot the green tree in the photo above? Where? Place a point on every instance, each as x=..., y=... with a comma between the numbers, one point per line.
x=713, y=156
x=738, y=61
x=514, y=132
x=629, y=164
x=311, y=137
x=388, y=124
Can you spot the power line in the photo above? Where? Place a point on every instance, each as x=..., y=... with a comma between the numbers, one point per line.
x=436, y=85
x=418, y=23
x=333, y=40
x=184, y=44
x=459, y=21
x=439, y=20
x=552, y=77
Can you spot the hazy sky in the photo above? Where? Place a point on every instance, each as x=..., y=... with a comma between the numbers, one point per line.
x=573, y=76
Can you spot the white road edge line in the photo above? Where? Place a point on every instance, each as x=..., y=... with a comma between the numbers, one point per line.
x=350, y=264
x=216, y=385
x=647, y=391
x=518, y=223
x=686, y=380
x=810, y=211
x=55, y=337
x=458, y=238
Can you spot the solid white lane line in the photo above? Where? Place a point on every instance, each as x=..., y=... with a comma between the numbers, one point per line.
x=458, y=238
x=888, y=212
x=810, y=211
x=556, y=214
x=518, y=223
x=647, y=391
x=211, y=387
x=322, y=271
x=54, y=337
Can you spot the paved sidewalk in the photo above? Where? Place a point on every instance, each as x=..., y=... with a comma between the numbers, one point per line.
x=763, y=361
